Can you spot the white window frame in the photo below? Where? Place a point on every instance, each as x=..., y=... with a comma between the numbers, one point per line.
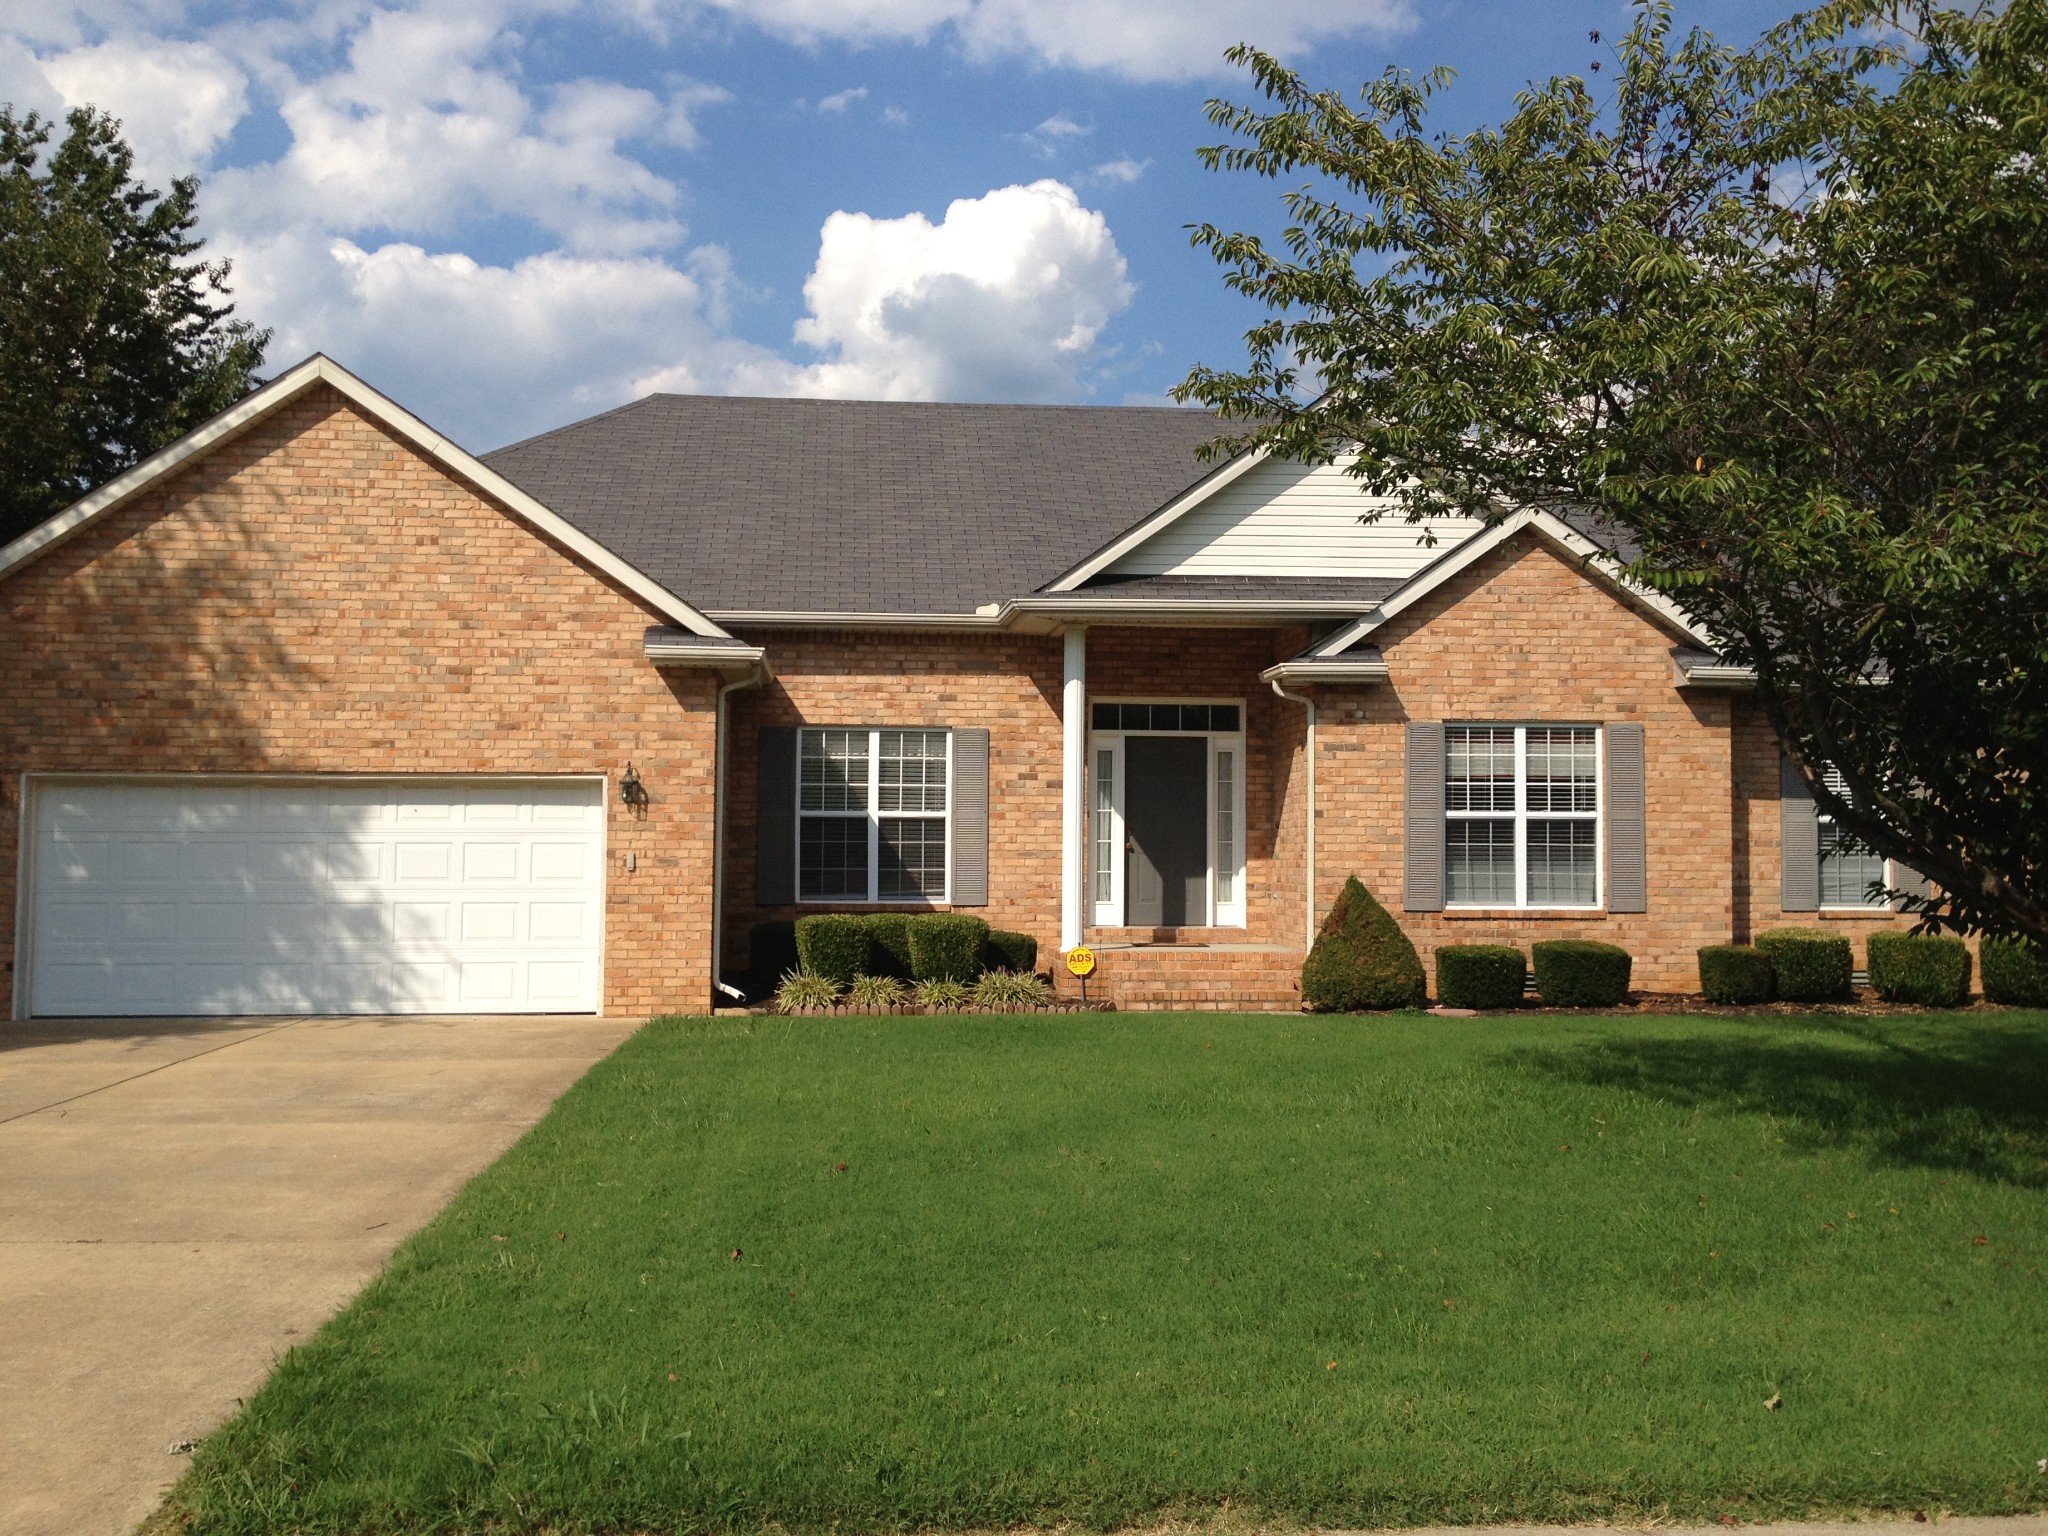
x=1522, y=816
x=875, y=815
x=1218, y=914
x=1822, y=821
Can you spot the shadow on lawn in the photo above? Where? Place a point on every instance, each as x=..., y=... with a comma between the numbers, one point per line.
x=1969, y=1093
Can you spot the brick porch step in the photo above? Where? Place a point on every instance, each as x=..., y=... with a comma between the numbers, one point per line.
x=1260, y=978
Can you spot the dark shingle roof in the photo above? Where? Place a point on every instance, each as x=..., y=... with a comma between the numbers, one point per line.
x=857, y=506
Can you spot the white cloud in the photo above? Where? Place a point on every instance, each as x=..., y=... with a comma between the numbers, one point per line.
x=426, y=128
x=1048, y=137
x=177, y=101
x=1168, y=39
x=839, y=101
x=490, y=353
x=1125, y=170
x=1003, y=299
x=896, y=117
x=1135, y=39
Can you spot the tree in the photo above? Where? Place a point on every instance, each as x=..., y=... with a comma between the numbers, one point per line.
x=113, y=341
x=1778, y=313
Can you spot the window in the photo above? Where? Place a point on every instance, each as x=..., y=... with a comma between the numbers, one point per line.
x=1226, y=826
x=1522, y=816
x=872, y=815
x=1847, y=868
x=1166, y=717
x=1105, y=827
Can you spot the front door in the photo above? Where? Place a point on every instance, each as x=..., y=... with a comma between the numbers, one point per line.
x=1166, y=805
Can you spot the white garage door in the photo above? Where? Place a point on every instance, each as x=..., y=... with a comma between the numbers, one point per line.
x=332, y=895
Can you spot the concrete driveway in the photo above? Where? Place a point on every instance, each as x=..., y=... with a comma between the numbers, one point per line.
x=180, y=1200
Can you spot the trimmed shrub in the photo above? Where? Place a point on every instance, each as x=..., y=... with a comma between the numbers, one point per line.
x=946, y=945
x=798, y=991
x=1010, y=952
x=1926, y=968
x=771, y=955
x=876, y=992
x=1737, y=974
x=2015, y=972
x=1361, y=959
x=940, y=994
x=833, y=945
x=889, y=944
x=1580, y=973
x=1812, y=966
x=1488, y=977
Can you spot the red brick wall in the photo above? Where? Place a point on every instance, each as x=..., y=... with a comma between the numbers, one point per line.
x=315, y=597
x=1011, y=685
x=1525, y=636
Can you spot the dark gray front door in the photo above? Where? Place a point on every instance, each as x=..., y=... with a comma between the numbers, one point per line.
x=1166, y=819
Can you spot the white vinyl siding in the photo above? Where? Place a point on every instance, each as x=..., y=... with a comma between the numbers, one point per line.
x=1283, y=519
x=1522, y=816
x=873, y=815
x=341, y=895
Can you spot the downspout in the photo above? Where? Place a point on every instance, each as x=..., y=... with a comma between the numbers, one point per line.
x=719, y=712
x=1309, y=896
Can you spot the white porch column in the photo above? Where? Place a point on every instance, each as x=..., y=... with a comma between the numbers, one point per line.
x=1074, y=788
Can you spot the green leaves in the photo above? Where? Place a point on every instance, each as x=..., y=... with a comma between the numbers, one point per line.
x=112, y=338
x=1781, y=312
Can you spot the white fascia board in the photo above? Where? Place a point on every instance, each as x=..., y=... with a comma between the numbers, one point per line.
x=1171, y=513
x=1166, y=610
x=678, y=650
x=288, y=386
x=1331, y=670
x=1714, y=674
x=1546, y=525
x=807, y=618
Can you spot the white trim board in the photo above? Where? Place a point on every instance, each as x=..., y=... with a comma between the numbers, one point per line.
x=288, y=386
x=1545, y=525
x=1224, y=474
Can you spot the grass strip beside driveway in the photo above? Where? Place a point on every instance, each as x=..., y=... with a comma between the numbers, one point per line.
x=911, y=1272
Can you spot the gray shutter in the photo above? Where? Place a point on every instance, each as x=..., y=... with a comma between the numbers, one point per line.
x=970, y=818
x=1799, y=842
x=1910, y=882
x=1628, y=880
x=1422, y=888
x=775, y=818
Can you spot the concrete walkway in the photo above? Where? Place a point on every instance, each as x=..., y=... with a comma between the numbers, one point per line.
x=181, y=1200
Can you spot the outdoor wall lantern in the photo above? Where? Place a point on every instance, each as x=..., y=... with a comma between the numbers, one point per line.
x=632, y=791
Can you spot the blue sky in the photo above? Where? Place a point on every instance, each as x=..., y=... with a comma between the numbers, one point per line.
x=509, y=214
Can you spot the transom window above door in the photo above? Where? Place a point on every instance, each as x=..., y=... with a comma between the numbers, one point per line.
x=1167, y=717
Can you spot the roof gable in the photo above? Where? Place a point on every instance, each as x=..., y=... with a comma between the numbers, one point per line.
x=288, y=386
x=1589, y=555
x=1279, y=518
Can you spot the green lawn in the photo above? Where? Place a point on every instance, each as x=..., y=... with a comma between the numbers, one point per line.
x=858, y=1274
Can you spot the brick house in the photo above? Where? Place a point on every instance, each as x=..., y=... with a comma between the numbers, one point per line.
x=315, y=712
